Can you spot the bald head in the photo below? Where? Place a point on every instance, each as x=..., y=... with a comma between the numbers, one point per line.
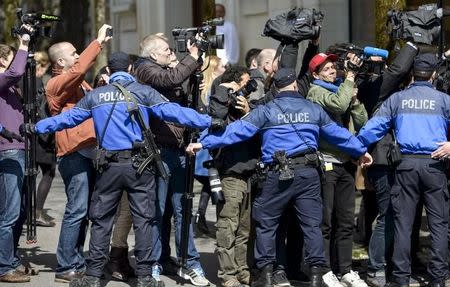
x=265, y=59
x=220, y=11
x=63, y=55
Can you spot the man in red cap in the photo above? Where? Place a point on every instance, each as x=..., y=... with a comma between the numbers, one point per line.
x=338, y=192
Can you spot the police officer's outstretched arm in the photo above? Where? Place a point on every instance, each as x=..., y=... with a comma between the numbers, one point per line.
x=66, y=119
x=235, y=132
x=172, y=112
x=379, y=124
x=343, y=139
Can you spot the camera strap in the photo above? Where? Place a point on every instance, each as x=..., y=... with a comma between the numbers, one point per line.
x=102, y=136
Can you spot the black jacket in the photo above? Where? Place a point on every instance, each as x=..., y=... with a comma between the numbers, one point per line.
x=379, y=89
x=236, y=159
x=168, y=82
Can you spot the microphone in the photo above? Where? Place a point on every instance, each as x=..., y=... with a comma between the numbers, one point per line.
x=372, y=51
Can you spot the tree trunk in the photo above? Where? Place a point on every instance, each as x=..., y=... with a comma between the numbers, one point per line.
x=101, y=16
x=9, y=8
x=382, y=38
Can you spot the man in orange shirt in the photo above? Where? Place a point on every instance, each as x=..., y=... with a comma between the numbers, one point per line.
x=75, y=148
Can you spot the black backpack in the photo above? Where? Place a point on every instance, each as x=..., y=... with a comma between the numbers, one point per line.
x=296, y=25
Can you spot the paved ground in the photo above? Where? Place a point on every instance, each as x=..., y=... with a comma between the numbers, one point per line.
x=42, y=254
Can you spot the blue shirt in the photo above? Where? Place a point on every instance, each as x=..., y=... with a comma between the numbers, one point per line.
x=295, y=128
x=419, y=116
x=122, y=131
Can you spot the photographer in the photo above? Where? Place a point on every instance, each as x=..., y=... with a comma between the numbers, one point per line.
x=338, y=192
x=74, y=149
x=236, y=164
x=12, y=159
x=154, y=69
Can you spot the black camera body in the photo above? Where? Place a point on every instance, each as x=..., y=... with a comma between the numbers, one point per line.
x=204, y=42
x=40, y=22
x=296, y=25
x=246, y=90
x=420, y=26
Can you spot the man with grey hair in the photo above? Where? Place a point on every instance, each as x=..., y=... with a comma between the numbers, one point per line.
x=264, y=69
x=157, y=67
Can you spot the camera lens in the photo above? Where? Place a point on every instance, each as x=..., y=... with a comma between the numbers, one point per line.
x=216, y=41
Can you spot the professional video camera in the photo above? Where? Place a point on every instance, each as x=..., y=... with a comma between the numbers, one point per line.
x=296, y=25
x=420, y=26
x=246, y=90
x=204, y=42
x=40, y=22
x=368, y=66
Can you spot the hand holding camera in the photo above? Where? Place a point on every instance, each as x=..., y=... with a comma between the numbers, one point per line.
x=10, y=136
x=352, y=65
x=103, y=34
x=27, y=129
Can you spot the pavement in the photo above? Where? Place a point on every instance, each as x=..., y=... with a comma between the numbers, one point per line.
x=42, y=254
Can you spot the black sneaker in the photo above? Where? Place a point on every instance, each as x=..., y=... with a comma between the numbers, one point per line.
x=86, y=281
x=147, y=281
x=279, y=279
x=170, y=267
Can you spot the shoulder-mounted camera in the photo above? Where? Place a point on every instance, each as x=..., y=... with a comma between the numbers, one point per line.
x=204, y=42
x=40, y=22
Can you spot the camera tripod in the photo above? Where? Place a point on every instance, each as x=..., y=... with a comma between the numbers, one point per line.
x=191, y=136
x=29, y=115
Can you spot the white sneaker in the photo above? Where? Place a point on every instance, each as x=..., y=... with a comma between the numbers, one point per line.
x=196, y=276
x=330, y=280
x=352, y=279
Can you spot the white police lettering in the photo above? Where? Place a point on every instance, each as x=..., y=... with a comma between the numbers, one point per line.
x=293, y=118
x=422, y=104
x=111, y=96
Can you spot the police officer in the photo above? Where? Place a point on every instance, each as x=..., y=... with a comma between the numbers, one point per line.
x=419, y=116
x=116, y=132
x=290, y=127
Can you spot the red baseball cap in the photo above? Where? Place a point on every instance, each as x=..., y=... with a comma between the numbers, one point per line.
x=319, y=59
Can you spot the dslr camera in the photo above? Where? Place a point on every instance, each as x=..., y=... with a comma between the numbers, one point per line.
x=204, y=42
x=40, y=22
x=246, y=90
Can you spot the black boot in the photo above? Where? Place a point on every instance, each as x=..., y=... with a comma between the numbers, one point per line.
x=264, y=277
x=437, y=283
x=118, y=265
x=201, y=224
x=316, y=276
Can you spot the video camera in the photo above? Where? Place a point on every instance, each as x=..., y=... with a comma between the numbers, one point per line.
x=296, y=25
x=181, y=36
x=246, y=90
x=40, y=22
x=368, y=66
x=420, y=26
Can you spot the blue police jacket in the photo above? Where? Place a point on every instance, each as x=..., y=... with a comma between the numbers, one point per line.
x=122, y=130
x=278, y=132
x=419, y=115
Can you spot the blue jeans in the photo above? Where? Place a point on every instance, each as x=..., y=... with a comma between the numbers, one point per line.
x=174, y=162
x=382, y=178
x=78, y=175
x=12, y=165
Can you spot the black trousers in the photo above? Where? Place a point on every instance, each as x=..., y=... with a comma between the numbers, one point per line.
x=338, y=195
x=416, y=177
x=106, y=197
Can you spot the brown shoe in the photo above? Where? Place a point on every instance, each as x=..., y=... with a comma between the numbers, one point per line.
x=27, y=270
x=43, y=219
x=15, y=277
x=66, y=277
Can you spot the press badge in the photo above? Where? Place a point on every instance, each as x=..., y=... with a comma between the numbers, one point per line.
x=328, y=166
